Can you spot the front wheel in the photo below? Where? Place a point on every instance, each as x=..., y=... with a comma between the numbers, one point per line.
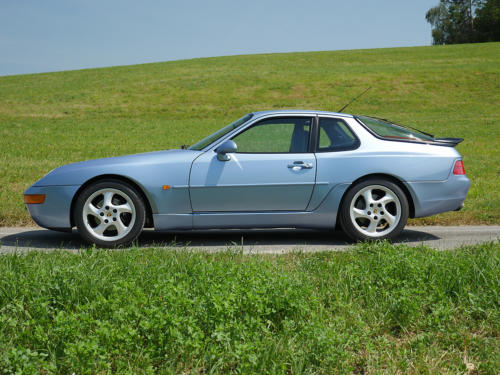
x=109, y=213
x=374, y=209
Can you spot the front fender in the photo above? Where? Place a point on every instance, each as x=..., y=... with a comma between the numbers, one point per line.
x=149, y=171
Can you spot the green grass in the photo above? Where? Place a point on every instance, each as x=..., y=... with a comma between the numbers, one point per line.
x=376, y=309
x=50, y=119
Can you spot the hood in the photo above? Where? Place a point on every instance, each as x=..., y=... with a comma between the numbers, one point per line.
x=78, y=173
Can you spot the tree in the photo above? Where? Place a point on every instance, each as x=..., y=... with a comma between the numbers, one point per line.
x=487, y=22
x=464, y=21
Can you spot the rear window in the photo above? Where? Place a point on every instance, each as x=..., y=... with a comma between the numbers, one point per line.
x=391, y=131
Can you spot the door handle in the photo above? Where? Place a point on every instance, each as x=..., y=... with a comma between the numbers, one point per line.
x=297, y=165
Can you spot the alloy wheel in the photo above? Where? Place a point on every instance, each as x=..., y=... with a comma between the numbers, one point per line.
x=375, y=211
x=109, y=214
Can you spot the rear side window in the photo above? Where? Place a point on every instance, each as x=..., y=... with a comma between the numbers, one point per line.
x=335, y=135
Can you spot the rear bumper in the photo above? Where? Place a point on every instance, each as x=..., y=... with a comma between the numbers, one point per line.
x=434, y=197
x=55, y=212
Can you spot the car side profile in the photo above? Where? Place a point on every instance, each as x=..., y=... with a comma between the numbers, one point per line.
x=295, y=169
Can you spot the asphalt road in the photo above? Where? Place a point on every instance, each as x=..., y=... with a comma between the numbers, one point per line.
x=252, y=241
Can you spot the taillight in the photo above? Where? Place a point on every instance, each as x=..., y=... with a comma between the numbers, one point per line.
x=459, y=167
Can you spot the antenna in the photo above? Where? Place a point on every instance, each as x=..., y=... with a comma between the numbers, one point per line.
x=356, y=98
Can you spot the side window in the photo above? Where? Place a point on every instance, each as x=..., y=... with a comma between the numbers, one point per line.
x=276, y=135
x=335, y=135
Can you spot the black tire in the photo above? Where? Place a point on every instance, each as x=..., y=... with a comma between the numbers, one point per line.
x=381, y=220
x=123, y=218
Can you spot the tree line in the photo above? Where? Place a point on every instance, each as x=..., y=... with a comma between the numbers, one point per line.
x=465, y=21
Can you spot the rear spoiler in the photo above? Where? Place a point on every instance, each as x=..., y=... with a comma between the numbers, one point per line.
x=452, y=142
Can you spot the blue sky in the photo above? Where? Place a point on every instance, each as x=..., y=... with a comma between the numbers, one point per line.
x=52, y=35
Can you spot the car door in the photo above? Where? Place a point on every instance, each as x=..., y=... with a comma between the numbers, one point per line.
x=273, y=170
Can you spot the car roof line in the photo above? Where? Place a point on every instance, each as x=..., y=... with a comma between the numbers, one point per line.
x=299, y=111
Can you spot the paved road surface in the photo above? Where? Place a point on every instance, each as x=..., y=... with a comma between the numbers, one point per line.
x=253, y=241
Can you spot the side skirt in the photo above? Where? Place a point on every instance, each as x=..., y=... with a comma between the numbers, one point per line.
x=324, y=217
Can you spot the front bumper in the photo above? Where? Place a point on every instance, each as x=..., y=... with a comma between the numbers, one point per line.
x=55, y=212
x=434, y=197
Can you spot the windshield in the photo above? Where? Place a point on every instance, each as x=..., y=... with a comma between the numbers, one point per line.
x=388, y=130
x=198, y=146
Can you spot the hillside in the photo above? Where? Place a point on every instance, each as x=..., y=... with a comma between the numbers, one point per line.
x=55, y=118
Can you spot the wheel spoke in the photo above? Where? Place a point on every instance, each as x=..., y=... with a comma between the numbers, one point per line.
x=389, y=218
x=100, y=228
x=90, y=209
x=124, y=208
x=367, y=195
x=360, y=214
x=120, y=227
x=387, y=198
x=108, y=196
x=372, y=227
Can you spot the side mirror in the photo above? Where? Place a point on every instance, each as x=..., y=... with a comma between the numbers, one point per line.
x=226, y=148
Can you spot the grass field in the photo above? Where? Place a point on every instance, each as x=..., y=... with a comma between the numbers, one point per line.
x=50, y=119
x=376, y=309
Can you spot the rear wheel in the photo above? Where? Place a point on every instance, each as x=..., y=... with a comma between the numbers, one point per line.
x=374, y=209
x=109, y=213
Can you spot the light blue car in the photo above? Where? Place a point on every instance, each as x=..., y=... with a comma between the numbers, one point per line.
x=286, y=169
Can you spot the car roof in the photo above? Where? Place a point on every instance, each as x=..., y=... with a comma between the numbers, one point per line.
x=297, y=112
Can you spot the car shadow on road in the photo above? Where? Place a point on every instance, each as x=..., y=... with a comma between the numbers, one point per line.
x=209, y=239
